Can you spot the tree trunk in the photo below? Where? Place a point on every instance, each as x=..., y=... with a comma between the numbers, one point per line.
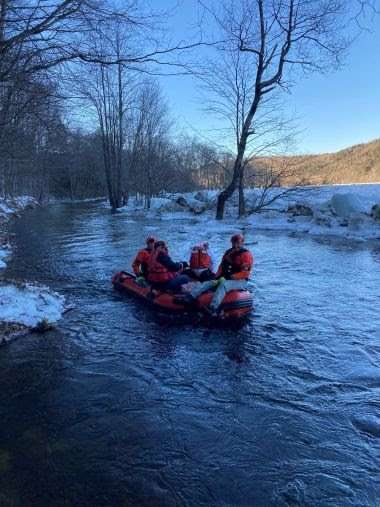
x=119, y=137
x=222, y=199
x=241, y=194
x=107, y=170
x=230, y=189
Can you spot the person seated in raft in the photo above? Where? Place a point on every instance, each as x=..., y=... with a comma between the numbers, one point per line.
x=233, y=273
x=163, y=273
x=140, y=264
x=200, y=265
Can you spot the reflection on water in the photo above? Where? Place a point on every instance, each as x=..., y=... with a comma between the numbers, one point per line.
x=120, y=406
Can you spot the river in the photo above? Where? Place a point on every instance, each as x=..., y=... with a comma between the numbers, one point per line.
x=121, y=407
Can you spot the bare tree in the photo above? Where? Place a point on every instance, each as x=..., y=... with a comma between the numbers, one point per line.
x=148, y=140
x=37, y=35
x=269, y=43
x=38, y=38
x=106, y=89
x=271, y=182
x=230, y=85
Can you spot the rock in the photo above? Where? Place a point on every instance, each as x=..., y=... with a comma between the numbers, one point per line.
x=201, y=196
x=375, y=212
x=11, y=331
x=356, y=221
x=182, y=201
x=325, y=207
x=299, y=209
x=322, y=220
x=344, y=205
x=193, y=207
x=168, y=206
x=43, y=326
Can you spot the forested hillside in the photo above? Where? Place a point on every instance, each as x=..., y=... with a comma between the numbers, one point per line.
x=357, y=164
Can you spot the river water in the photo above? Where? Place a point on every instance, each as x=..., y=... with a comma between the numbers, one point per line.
x=121, y=407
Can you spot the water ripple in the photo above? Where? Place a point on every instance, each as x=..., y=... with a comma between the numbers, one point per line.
x=121, y=406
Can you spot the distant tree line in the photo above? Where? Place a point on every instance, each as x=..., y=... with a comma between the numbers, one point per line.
x=41, y=155
x=97, y=58
x=59, y=55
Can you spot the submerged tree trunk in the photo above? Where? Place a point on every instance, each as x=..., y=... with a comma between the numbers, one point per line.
x=242, y=210
x=236, y=176
x=110, y=109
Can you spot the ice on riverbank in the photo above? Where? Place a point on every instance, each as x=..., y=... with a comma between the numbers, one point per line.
x=13, y=206
x=345, y=211
x=23, y=306
x=28, y=306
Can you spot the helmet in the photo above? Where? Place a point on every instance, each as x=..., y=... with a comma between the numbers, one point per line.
x=160, y=243
x=150, y=239
x=237, y=237
x=200, y=246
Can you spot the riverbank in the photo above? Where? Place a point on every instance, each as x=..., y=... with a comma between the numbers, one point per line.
x=23, y=306
x=349, y=212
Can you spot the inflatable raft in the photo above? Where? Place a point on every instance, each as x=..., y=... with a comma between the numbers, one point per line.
x=236, y=305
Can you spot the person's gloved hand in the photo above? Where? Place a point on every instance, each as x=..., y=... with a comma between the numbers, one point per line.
x=221, y=280
x=140, y=280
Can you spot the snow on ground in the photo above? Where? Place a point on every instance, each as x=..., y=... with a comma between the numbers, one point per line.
x=29, y=305
x=13, y=206
x=338, y=210
x=23, y=307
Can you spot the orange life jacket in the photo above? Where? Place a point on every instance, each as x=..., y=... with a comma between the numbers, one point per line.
x=236, y=264
x=140, y=264
x=157, y=273
x=200, y=258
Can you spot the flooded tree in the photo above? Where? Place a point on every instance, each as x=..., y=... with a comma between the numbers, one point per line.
x=149, y=146
x=265, y=47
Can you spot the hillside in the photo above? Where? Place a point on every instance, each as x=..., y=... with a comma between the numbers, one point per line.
x=357, y=164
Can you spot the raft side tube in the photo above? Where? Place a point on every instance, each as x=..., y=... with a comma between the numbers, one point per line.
x=236, y=304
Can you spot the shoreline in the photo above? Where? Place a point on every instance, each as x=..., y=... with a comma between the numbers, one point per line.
x=24, y=307
x=345, y=212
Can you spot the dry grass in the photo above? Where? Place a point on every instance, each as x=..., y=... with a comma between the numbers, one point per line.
x=357, y=164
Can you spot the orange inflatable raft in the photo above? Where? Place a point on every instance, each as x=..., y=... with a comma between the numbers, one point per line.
x=236, y=304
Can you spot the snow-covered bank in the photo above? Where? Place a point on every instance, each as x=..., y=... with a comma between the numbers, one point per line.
x=345, y=211
x=23, y=307
x=15, y=205
x=27, y=307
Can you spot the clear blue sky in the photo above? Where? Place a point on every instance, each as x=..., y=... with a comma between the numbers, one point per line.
x=335, y=110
